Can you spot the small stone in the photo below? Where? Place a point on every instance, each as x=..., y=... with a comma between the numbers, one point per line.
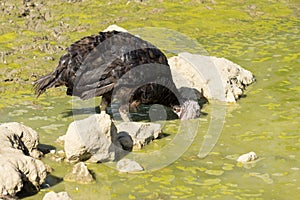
x=57, y=196
x=127, y=165
x=80, y=174
x=52, y=151
x=248, y=157
x=61, y=139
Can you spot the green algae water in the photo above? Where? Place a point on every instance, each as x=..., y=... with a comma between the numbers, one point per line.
x=262, y=37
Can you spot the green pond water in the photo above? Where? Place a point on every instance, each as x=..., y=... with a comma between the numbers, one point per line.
x=262, y=37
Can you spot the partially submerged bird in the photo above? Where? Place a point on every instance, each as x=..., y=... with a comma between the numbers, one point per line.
x=119, y=67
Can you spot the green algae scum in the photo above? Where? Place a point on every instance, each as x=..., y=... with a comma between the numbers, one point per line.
x=261, y=36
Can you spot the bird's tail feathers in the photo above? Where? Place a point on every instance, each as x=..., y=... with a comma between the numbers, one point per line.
x=45, y=82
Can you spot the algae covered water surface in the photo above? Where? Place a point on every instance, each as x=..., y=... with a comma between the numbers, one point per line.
x=261, y=36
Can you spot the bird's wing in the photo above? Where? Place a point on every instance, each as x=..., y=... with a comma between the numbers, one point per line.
x=107, y=63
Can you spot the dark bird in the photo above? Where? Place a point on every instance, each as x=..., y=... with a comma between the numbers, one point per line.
x=121, y=68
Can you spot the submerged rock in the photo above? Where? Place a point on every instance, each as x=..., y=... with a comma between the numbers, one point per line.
x=141, y=133
x=80, y=174
x=217, y=78
x=57, y=196
x=93, y=139
x=248, y=157
x=127, y=165
x=20, y=171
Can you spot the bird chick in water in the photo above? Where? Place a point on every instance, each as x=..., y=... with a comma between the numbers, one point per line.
x=97, y=65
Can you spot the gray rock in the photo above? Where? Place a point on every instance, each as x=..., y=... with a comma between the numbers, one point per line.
x=141, y=133
x=22, y=172
x=218, y=78
x=127, y=165
x=57, y=196
x=80, y=174
x=93, y=138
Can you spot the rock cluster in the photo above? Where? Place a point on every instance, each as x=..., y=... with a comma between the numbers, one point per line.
x=18, y=153
x=98, y=139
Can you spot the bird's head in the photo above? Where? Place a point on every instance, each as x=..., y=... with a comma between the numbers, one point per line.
x=189, y=109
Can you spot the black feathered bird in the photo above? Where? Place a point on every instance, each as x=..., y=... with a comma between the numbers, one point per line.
x=118, y=66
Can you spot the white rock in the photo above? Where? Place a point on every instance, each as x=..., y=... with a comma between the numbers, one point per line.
x=141, y=133
x=248, y=157
x=218, y=78
x=57, y=196
x=127, y=165
x=17, y=169
x=93, y=138
x=18, y=136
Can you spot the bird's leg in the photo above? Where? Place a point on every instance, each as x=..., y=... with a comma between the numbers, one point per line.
x=124, y=112
x=104, y=102
x=103, y=105
x=133, y=105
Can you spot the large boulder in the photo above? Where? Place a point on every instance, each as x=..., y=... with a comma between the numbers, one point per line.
x=19, y=170
x=93, y=139
x=217, y=78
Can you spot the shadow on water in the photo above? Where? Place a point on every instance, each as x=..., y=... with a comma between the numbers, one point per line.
x=29, y=189
x=45, y=148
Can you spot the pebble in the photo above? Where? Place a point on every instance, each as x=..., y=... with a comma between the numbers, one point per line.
x=248, y=157
x=127, y=165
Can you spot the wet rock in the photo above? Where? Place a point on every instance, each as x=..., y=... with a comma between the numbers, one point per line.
x=93, y=138
x=22, y=172
x=57, y=196
x=248, y=157
x=218, y=78
x=127, y=165
x=80, y=174
x=141, y=133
